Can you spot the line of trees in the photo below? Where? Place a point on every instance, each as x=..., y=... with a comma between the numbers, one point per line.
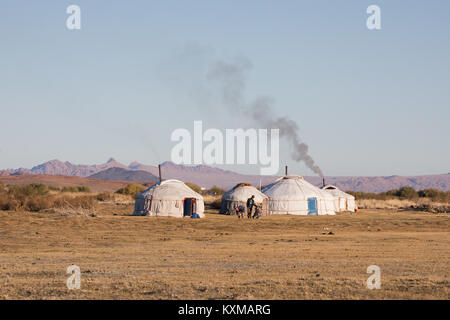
x=404, y=193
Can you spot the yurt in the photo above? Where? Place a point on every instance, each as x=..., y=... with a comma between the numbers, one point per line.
x=342, y=201
x=239, y=195
x=169, y=198
x=294, y=195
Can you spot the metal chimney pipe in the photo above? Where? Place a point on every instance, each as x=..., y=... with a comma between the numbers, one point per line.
x=286, y=171
x=160, y=177
x=323, y=182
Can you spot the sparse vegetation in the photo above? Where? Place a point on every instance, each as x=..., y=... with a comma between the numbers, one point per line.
x=8, y=203
x=105, y=196
x=36, y=197
x=131, y=189
x=275, y=257
x=216, y=190
x=81, y=202
x=404, y=193
x=76, y=189
x=194, y=187
x=22, y=192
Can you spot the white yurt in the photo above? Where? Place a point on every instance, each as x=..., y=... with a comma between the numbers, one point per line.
x=169, y=198
x=239, y=195
x=342, y=201
x=294, y=195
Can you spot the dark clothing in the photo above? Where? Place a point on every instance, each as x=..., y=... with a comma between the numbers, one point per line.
x=257, y=213
x=250, y=205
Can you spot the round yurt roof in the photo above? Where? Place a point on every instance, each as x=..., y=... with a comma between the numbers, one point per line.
x=170, y=190
x=335, y=191
x=243, y=191
x=293, y=187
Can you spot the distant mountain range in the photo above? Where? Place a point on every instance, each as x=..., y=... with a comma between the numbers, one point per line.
x=117, y=173
x=206, y=176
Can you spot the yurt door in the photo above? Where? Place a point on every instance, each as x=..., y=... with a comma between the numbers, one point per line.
x=312, y=207
x=189, y=206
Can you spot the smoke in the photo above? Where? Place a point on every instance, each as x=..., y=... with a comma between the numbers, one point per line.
x=230, y=76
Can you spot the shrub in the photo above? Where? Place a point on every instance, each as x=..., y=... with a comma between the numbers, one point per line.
x=407, y=193
x=368, y=195
x=194, y=187
x=35, y=204
x=104, y=196
x=216, y=190
x=8, y=203
x=76, y=189
x=432, y=193
x=22, y=192
x=53, y=188
x=131, y=189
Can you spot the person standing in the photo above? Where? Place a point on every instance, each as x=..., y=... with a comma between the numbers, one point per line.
x=250, y=205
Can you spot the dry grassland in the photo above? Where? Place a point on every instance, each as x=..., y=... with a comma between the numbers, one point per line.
x=221, y=257
x=65, y=181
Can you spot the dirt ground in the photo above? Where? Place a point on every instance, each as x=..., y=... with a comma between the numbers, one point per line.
x=221, y=257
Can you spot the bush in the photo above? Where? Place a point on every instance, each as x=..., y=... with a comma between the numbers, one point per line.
x=22, y=192
x=194, y=187
x=131, y=189
x=216, y=190
x=368, y=195
x=76, y=189
x=104, y=196
x=8, y=203
x=435, y=194
x=34, y=197
x=35, y=204
x=406, y=193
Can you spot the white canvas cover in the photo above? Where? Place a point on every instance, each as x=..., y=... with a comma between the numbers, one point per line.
x=342, y=201
x=290, y=194
x=239, y=195
x=166, y=199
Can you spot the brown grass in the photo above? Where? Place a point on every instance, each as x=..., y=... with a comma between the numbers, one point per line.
x=65, y=181
x=209, y=199
x=395, y=204
x=276, y=257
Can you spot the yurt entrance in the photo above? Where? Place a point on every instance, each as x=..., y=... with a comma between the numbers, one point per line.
x=312, y=207
x=190, y=206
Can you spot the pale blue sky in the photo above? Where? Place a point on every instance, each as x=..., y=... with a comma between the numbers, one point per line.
x=367, y=102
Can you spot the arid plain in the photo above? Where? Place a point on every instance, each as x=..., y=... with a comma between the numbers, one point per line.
x=221, y=257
